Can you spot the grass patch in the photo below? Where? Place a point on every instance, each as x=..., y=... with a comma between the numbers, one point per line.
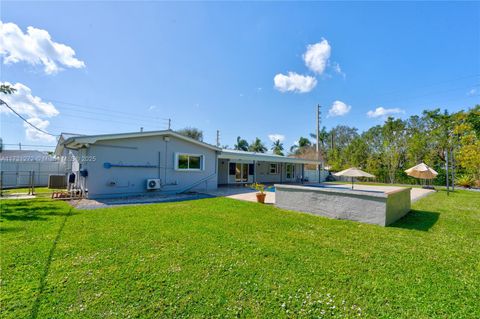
x=226, y=258
x=40, y=192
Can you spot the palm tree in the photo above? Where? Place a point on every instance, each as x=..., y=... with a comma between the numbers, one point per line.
x=277, y=148
x=7, y=89
x=192, y=132
x=257, y=146
x=323, y=137
x=242, y=145
x=301, y=145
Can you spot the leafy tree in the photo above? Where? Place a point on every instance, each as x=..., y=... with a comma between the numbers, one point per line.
x=355, y=153
x=473, y=118
x=241, y=145
x=192, y=132
x=417, y=143
x=341, y=135
x=394, y=145
x=469, y=155
x=257, y=146
x=277, y=148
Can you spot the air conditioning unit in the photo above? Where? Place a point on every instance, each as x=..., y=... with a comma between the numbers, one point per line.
x=153, y=183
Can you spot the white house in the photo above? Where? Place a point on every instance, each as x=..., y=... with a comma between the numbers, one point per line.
x=167, y=162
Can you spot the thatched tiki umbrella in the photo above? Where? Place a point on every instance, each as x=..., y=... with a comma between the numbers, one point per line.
x=354, y=172
x=422, y=171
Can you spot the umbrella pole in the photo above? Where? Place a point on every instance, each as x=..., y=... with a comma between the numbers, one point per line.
x=352, y=182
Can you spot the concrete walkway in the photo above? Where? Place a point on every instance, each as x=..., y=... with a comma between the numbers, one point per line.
x=241, y=193
x=85, y=203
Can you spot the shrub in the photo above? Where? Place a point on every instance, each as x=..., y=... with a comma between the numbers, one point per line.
x=465, y=181
x=258, y=187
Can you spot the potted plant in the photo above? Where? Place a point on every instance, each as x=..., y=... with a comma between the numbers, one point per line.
x=260, y=188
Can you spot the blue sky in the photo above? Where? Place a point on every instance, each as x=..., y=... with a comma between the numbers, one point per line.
x=212, y=65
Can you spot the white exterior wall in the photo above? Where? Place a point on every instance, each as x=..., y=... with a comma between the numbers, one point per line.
x=377, y=208
x=152, y=150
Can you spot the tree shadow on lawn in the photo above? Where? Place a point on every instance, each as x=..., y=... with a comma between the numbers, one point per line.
x=27, y=210
x=418, y=220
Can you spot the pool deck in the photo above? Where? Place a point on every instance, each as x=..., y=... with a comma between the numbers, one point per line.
x=247, y=194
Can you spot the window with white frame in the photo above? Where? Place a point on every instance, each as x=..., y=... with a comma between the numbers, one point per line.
x=188, y=162
x=273, y=168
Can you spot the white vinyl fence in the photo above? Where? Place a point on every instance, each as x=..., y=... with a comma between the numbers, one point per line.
x=312, y=175
x=20, y=174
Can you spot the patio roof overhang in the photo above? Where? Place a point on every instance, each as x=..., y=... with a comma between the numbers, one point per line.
x=262, y=157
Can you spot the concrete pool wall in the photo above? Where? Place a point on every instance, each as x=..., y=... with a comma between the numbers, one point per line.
x=372, y=207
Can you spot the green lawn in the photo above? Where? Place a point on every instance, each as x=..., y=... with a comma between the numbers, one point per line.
x=227, y=258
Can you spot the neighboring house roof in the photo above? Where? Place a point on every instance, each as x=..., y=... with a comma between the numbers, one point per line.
x=25, y=156
x=252, y=156
x=60, y=143
x=77, y=142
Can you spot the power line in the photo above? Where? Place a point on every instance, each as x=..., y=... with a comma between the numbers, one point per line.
x=398, y=92
x=436, y=93
x=111, y=114
x=25, y=120
x=100, y=108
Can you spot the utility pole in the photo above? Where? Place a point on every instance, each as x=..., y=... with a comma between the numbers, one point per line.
x=20, y=146
x=218, y=138
x=318, y=143
x=318, y=132
x=446, y=171
x=169, y=124
x=453, y=168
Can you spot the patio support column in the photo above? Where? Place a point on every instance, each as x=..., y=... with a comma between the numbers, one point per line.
x=254, y=171
x=303, y=172
x=281, y=172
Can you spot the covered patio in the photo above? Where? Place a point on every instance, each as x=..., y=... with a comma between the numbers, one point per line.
x=239, y=167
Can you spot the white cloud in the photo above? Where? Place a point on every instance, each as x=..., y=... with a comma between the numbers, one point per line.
x=152, y=107
x=35, y=135
x=317, y=55
x=31, y=107
x=336, y=67
x=36, y=48
x=472, y=92
x=339, y=108
x=382, y=112
x=294, y=82
x=276, y=137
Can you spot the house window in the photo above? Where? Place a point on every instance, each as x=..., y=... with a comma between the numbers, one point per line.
x=189, y=162
x=273, y=168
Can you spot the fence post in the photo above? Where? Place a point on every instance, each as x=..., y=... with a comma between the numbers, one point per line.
x=29, y=182
x=1, y=183
x=33, y=182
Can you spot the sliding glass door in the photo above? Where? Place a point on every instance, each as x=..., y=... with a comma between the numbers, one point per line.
x=241, y=172
x=290, y=170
